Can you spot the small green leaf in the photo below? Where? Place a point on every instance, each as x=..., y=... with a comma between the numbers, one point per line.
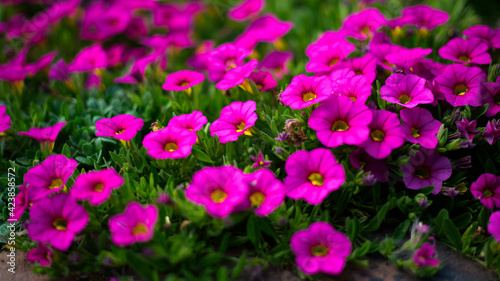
x=452, y=234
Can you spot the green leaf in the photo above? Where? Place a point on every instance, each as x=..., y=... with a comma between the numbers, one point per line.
x=439, y=221
x=202, y=156
x=452, y=234
x=401, y=230
x=386, y=246
x=139, y=265
x=463, y=220
x=239, y=266
x=253, y=230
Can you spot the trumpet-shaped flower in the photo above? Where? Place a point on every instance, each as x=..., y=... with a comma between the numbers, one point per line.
x=466, y=51
x=237, y=75
x=235, y=120
x=246, y=9
x=312, y=175
x=461, y=85
x=169, y=142
x=5, y=121
x=485, y=33
x=406, y=90
x=135, y=224
x=326, y=57
x=354, y=88
x=406, y=59
x=96, y=186
x=56, y=220
x=59, y=71
x=381, y=50
x=304, y=91
x=89, y=59
x=341, y=121
x=426, y=168
x=487, y=190
x=494, y=225
x=121, y=127
x=219, y=189
x=50, y=176
x=363, y=24
x=265, y=192
x=320, y=249
x=45, y=136
x=267, y=28
x=386, y=134
x=365, y=66
x=420, y=127
x=224, y=58
x=182, y=80
x=41, y=254
x=263, y=80
x=193, y=121
x=276, y=63
x=424, y=16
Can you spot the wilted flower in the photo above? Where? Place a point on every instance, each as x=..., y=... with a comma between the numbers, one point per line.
x=426, y=168
x=304, y=91
x=41, y=254
x=96, y=186
x=135, y=224
x=45, y=136
x=169, y=142
x=320, y=249
x=294, y=133
x=487, y=190
x=466, y=51
x=235, y=120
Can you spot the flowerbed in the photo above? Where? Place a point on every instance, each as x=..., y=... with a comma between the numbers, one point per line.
x=298, y=130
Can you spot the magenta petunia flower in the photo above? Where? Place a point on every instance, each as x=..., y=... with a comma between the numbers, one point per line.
x=135, y=225
x=56, y=220
x=363, y=24
x=406, y=90
x=420, y=127
x=5, y=121
x=487, y=190
x=235, y=120
x=485, y=33
x=461, y=85
x=45, y=136
x=467, y=129
x=276, y=63
x=361, y=66
x=304, y=91
x=386, y=134
x=320, y=249
x=219, y=189
x=426, y=168
x=376, y=167
x=59, y=71
x=193, y=121
x=245, y=10
x=50, y=176
x=263, y=80
x=424, y=16
x=177, y=17
x=491, y=96
x=260, y=161
x=425, y=256
x=327, y=38
x=182, y=80
x=237, y=75
x=41, y=254
x=406, y=59
x=466, y=51
x=96, y=186
x=224, y=58
x=102, y=20
x=22, y=202
x=89, y=59
x=121, y=127
x=312, y=175
x=354, y=88
x=326, y=57
x=137, y=72
x=267, y=28
x=494, y=225
x=199, y=60
x=169, y=142
x=341, y=121
x=265, y=192
x=380, y=51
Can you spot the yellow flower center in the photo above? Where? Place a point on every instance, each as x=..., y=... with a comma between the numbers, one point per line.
x=241, y=127
x=99, y=187
x=171, y=147
x=140, y=228
x=365, y=30
x=404, y=98
x=316, y=179
x=353, y=98
x=120, y=132
x=319, y=251
x=464, y=58
x=56, y=183
x=460, y=90
x=377, y=135
x=308, y=96
x=218, y=196
x=487, y=193
x=333, y=61
x=60, y=224
x=340, y=126
x=422, y=172
x=414, y=132
x=496, y=99
x=257, y=198
x=184, y=83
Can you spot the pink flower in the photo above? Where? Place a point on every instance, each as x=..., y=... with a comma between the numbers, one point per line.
x=420, y=127
x=461, y=85
x=50, y=176
x=320, y=249
x=326, y=57
x=121, y=127
x=246, y=9
x=59, y=71
x=276, y=62
x=327, y=38
x=56, y=220
x=386, y=134
x=96, y=186
x=494, y=225
x=426, y=168
x=236, y=75
x=354, y=87
x=424, y=16
x=260, y=161
x=361, y=66
x=267, y=28
x=137, y=72
x=491, y=96
x=182, y=80
x=406, y=90
x=169, y=142
x=219, y=189
x=45, y=136
x=304, y=91
x=193, y=122
x=89, y=59
x=224, y=58
x=103, y=20
x=312, y=175
x=425, y=256
x=235, y=120
x=380, y=51
x=199, y=60
x=176, y=16
x=135, y=224
x=41, y=254
x=341, y=121
x=22, y=202
x=487, y=190
x=485, y=33
x=406, y=59
x=376, y=167
x=467, y=129
x=466, y=51
x=361, y=25
x=263, y=80
x=5, y=121
x=265, y=193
